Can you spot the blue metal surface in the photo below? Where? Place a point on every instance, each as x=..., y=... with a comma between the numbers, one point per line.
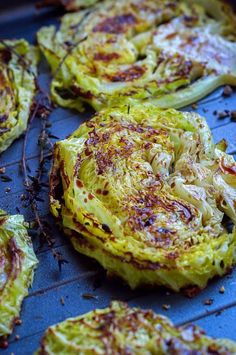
x=43, y=306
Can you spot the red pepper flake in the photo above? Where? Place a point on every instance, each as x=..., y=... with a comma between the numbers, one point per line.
x=79, y=183
x=87, y=152
x=105, y=192
x=130, y=74
x=90, y=196
x=227, y=169
x=106, y=57
x=115, y=24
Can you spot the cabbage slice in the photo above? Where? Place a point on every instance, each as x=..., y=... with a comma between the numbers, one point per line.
x=120, y=329
x=17, y=265
x=165, y=52
x=18, y=62
x=144, y=191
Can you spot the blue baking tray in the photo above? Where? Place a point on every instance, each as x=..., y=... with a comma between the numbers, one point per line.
x=44, y=307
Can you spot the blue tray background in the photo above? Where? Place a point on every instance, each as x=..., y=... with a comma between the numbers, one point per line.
x=43, y=306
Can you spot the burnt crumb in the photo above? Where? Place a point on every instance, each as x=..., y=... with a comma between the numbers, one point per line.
x=222, y=289
x=106, y=228
x=17, y=337
x=223, y=114
x=89, y=296
x=233, y=115
x=166, y=307
x=62, y=301
x=191, y=291
x=194, y=106
x=2, y=170
x=5, y=178
x=3, y=344
x=227, y=91
x=17, y=321
x=208, y=302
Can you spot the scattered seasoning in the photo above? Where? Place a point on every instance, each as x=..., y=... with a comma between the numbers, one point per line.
x=223, y=114
x=227, y=91
x=3, y=344
x=18, y=321
x=194, y=106
x=191, y=291
x=208, y=302
x=7, y=189
x=89, y=296
x=5, y=178
x=17, y=337
x=62, y=301
x=166, y=307
x=23, y=197
x=41, y=109
x=222, y=289
x=233, y=115
x=2, y=170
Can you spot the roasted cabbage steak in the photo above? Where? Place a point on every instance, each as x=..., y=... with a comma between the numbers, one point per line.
x=169, y=53
x=119, y=329
x=18, y=61
x=17, y=264
x=144, y=190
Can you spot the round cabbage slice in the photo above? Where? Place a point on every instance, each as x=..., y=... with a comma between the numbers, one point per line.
x=18, y=61
x=169, y=53
x=119, y=329
x=144, y=191
x=17, y=264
